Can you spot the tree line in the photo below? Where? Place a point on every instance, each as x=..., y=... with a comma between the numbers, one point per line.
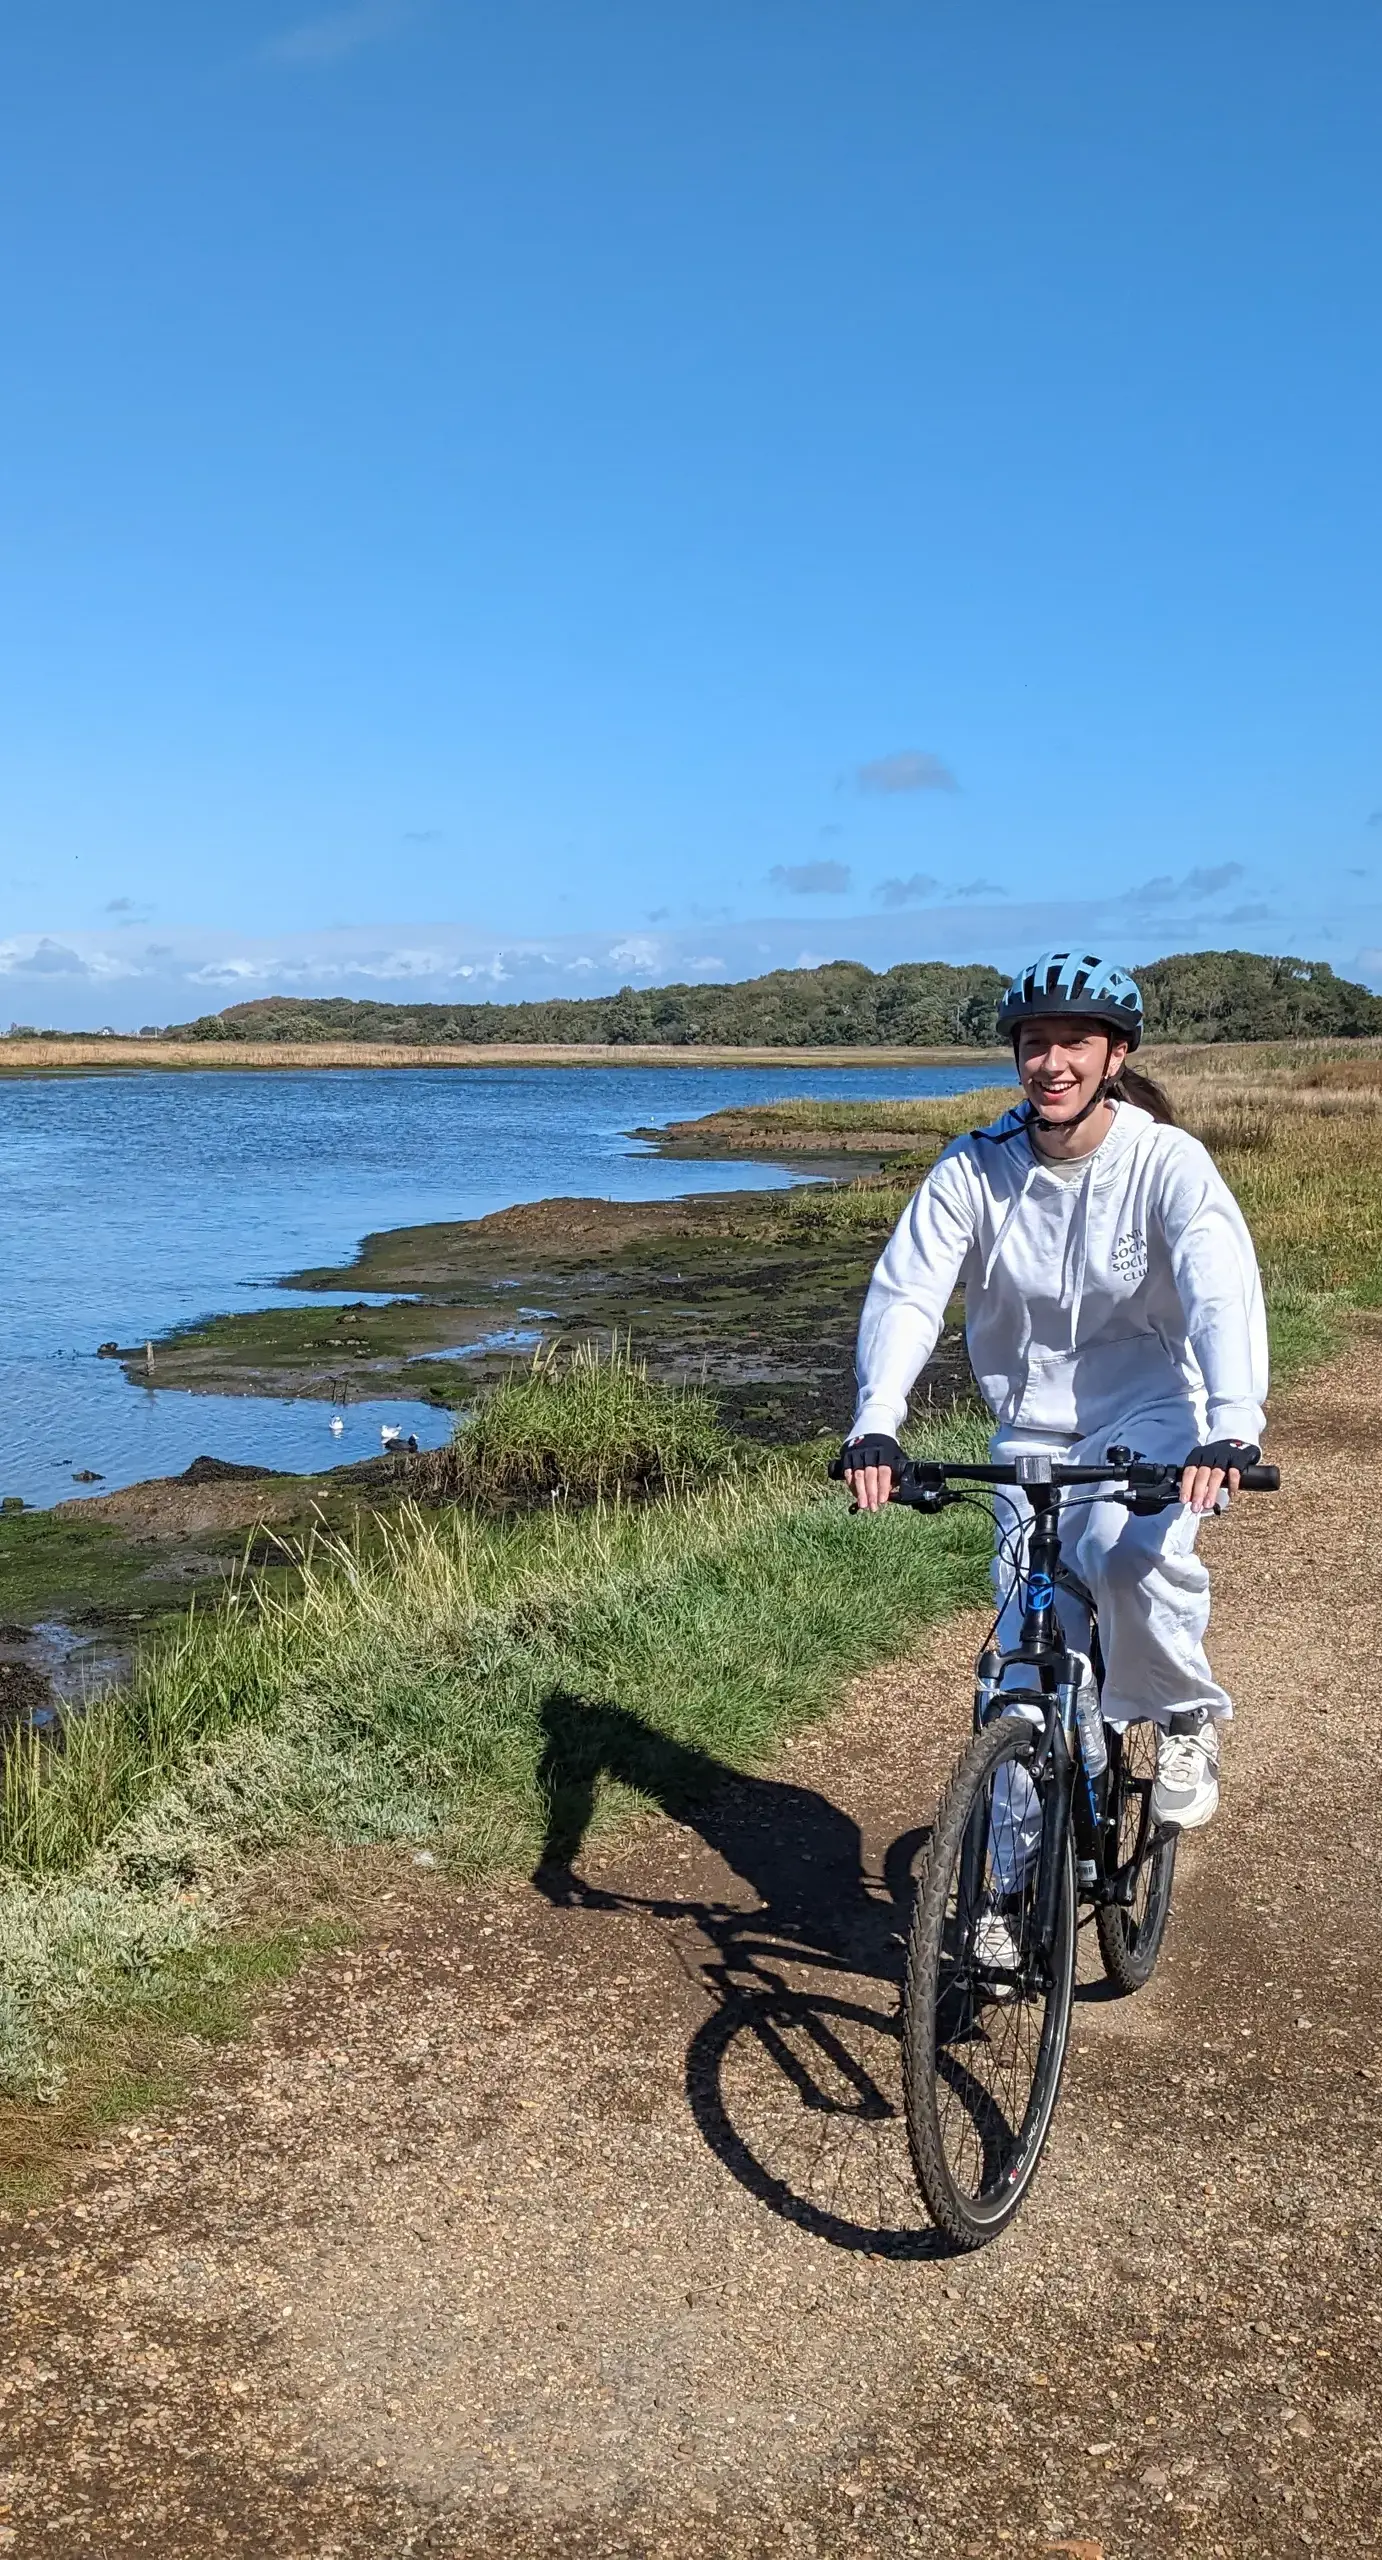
x=1193, y=995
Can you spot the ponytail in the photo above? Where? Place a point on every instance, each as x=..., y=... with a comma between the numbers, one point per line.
x=1130, y=1085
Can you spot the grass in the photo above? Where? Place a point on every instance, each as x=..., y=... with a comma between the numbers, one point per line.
x=141, y=2059
x=937, y=1116
x=579, y=1426
x=1300, y=1144
x=446, y=1687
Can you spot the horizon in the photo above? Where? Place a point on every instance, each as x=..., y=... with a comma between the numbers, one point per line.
x=500, y=502
x=409, y=999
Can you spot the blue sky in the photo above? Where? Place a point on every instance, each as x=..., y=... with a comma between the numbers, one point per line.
x=499, y=500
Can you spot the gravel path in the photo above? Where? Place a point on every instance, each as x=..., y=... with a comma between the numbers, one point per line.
x=577, y=2221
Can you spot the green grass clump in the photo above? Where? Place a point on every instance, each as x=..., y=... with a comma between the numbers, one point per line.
x=580, y=1425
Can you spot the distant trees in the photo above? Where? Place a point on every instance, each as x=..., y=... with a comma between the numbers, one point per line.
x=1195, y=995
x=1240, y=995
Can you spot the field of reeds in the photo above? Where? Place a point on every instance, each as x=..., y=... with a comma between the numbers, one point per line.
x=97, y=1054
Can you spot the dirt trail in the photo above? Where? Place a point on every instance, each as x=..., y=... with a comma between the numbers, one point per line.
x=579, y=2223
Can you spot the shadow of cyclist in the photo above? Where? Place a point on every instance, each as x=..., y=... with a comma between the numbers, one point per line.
x=794, y=2077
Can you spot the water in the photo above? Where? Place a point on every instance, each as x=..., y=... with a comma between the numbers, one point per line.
x=136, y=1202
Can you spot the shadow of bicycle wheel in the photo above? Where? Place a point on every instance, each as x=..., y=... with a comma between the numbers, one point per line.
x=798, y=2093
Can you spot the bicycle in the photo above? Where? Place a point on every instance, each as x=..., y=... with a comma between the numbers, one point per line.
x=1048, y=1809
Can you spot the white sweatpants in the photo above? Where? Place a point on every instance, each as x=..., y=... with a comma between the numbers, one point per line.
x=1150, y=1587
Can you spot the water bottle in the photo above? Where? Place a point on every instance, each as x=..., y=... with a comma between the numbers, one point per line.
x=1089, y=1718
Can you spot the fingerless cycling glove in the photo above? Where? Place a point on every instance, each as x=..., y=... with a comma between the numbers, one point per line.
x=873, y=1449
x=1225, y=1454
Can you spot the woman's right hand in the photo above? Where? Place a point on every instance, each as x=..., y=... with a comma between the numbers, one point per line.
x=871, y=1464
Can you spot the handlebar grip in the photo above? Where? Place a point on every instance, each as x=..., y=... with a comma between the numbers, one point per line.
x=1259, y=1480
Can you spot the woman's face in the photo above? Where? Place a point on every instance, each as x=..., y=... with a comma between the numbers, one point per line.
x=1062, y=1065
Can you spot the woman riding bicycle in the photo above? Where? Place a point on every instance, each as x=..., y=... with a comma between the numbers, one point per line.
x=1111, y=1295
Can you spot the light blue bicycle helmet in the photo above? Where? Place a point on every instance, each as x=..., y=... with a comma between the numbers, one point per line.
x=1077, y=983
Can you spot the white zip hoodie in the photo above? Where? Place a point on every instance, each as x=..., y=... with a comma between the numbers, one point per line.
x=1133, y=1291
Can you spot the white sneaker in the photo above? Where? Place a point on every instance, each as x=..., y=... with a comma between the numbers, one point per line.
x=995, y=1947
x=1186, y=1792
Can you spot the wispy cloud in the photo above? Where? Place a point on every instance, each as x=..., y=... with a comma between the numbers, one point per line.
x=318, y=41
x=970, y=891
x=422, y=835
x=910, y=769
x=912, y=892
x=1254, y=911
x=45, y=958
x=1165, y=890
x=1375, y=819
x=811, y=879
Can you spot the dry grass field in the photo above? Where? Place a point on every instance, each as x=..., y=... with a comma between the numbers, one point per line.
x=99, y=1056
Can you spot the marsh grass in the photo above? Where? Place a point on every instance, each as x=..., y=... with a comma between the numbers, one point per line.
x=1297, y=1136
x=405, y=1693
x=579, y=1425
x=942, y=1115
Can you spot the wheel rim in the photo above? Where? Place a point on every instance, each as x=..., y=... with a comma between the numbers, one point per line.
x=997, y=2025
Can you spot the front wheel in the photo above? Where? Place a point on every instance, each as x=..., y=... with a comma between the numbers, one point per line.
x=985, y=2017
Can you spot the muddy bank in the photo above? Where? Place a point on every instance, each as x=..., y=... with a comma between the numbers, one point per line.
x=751, y=1294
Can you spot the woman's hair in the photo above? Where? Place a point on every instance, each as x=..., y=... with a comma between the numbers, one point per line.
x=1130, y=1085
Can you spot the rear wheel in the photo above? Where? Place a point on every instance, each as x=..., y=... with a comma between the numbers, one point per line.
x=984, y=2021
x=1130, y=1933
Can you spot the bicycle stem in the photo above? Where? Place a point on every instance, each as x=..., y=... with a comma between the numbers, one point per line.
x=1040, y=1625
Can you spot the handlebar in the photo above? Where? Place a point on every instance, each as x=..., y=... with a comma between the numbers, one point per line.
x=926, y=1483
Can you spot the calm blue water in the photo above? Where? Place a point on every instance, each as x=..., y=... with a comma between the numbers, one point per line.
x=132, y=1203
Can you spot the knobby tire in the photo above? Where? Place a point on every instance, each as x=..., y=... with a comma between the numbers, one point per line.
x=982, y=2053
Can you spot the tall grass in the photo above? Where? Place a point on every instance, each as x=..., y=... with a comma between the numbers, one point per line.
x=436, y=1689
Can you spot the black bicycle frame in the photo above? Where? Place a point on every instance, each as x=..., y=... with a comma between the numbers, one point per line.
x=1071, y=1796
